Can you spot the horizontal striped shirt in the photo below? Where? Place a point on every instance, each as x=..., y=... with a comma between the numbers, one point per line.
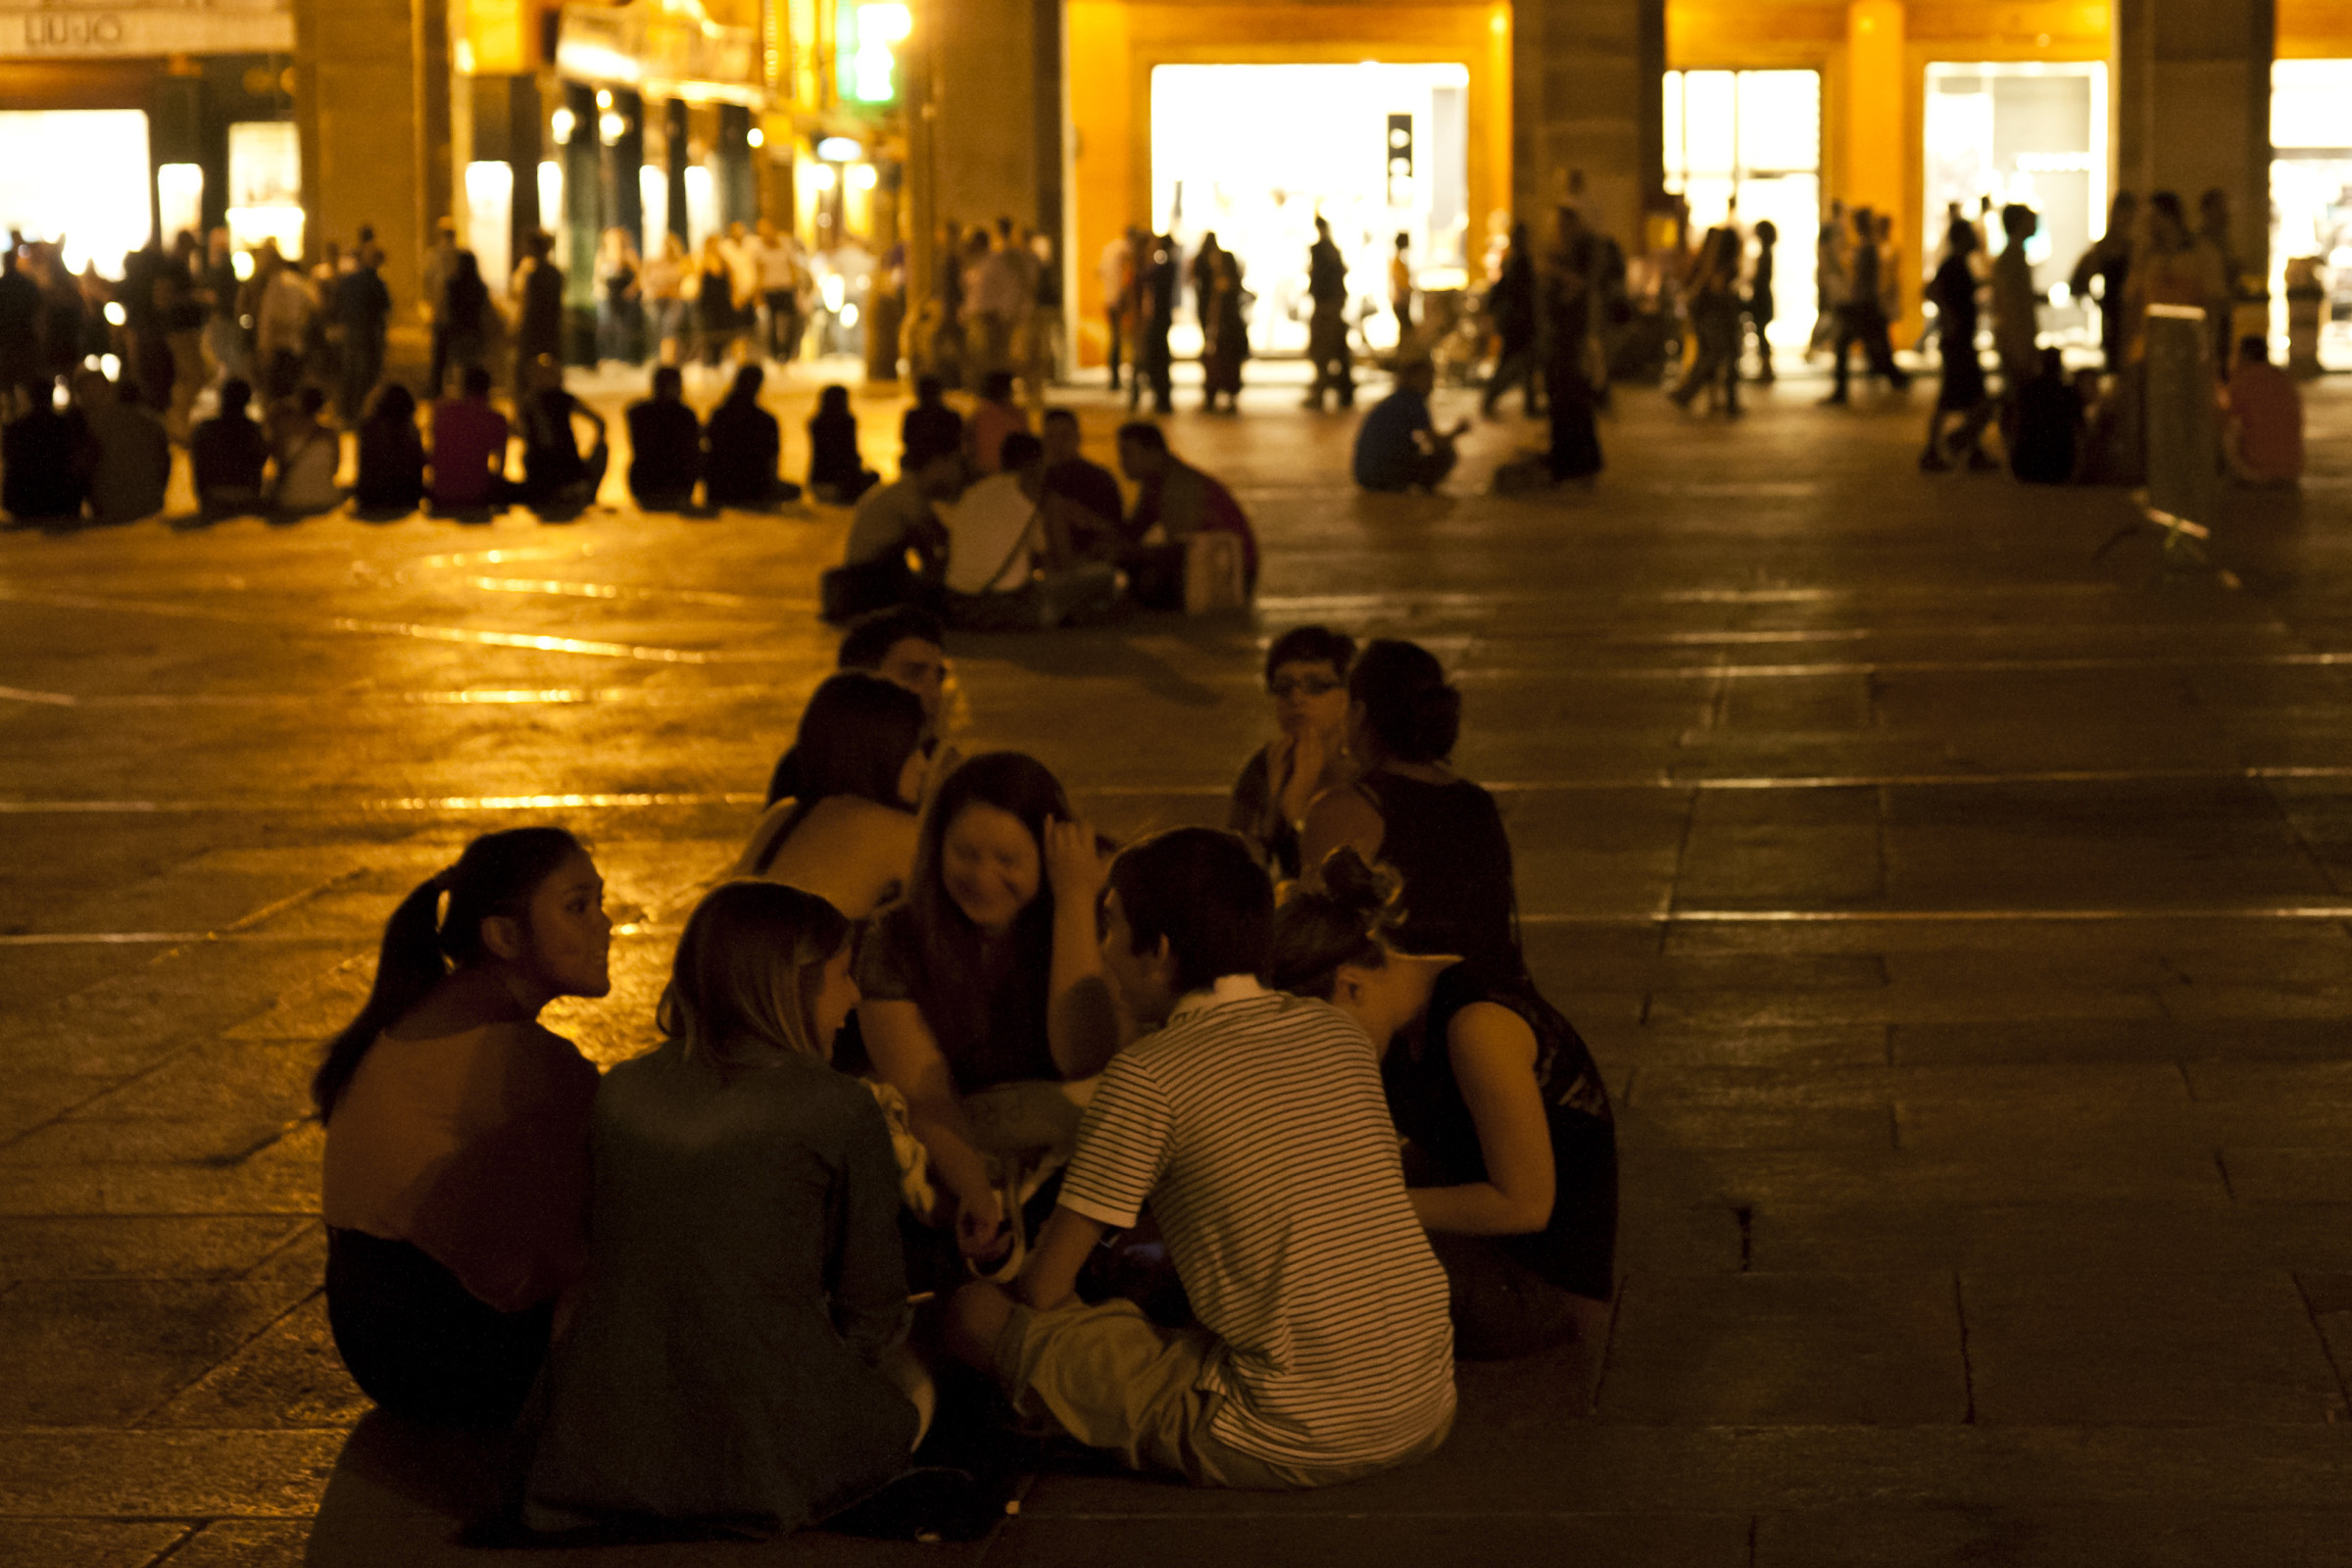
x=1254, y=1125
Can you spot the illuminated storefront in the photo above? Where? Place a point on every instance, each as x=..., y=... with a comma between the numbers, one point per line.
x=124, y=124
x=2311, y=194
x=1746, y=145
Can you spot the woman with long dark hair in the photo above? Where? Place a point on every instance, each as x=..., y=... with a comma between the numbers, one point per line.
x=849, y=835
x=1440, y=832
x=1510, y=1149
x=456, y=1131
x=734, y=1356
x=988, y=975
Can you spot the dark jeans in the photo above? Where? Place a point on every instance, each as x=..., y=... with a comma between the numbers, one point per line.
x=783, y=323
x=419, y=1343
x=1113, y=316
x=1866, y=325
x=1501, y=1308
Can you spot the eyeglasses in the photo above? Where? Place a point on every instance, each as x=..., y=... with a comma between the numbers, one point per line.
x=1301, y=686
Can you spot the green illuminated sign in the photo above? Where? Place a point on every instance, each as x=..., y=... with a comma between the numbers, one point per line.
x=865, y=40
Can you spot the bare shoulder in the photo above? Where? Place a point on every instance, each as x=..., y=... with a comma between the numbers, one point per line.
x=1339, y=819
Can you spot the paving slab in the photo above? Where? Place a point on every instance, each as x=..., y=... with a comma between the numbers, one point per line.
x=2155, y=1537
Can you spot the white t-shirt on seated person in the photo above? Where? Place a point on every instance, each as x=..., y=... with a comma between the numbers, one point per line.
x=1256, y=1124
x=989, y=543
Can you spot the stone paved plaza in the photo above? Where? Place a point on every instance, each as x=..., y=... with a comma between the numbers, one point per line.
x=1965, y=924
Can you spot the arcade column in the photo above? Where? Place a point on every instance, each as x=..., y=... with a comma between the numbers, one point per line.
x=372, y=102
x=1588, y=83
x=2191, y=104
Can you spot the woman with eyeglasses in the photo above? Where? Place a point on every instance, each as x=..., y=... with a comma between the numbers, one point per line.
x=1306, y=676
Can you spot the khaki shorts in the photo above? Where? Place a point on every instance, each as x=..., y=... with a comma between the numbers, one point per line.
x=1112, y=1379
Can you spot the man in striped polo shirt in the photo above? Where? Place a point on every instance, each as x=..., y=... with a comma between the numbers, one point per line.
x=1254, y=1125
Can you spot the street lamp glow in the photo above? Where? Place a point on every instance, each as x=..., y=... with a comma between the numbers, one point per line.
x=561, y=124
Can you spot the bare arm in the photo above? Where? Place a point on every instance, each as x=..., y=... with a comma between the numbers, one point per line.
x=1493, y=1053
x=907, y=1056
x=1082, y=1025
x=1051, y=1275
x=1341, y=818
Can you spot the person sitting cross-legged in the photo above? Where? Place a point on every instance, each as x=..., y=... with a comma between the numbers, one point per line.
x=229, y=453
x=470, y=448
x=665, y=446
x=557, y=481
x=1399, y=446
x=1010, y=563
x=1252, y=1124
x=745, y=447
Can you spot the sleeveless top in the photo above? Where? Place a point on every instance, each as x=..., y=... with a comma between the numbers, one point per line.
x=1447, y=842
x=1577, y=1248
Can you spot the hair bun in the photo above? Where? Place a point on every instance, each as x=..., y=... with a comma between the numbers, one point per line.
x=1363, y=889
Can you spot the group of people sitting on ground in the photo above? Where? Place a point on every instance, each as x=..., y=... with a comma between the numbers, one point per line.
x=1001, y=529
x=104, y=454
x=1212, y=1152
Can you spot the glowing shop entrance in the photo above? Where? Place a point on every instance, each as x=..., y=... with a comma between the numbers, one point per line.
x=81, y=177
x=2031, y=133
x=1253, y=153
x=2311, y=199
x=1747, y=144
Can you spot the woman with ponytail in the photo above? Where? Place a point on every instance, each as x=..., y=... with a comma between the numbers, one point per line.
x=734, y=1357
x=456, y=1175
x=1511, y=1152
x=1407, y=809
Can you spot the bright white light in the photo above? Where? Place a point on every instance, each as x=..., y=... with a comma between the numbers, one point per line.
x=490, y=218
x=609, y=126
x=821, y=176
x=863, y=177
x=849, y=315
x=756, y=136
x=604, y=97
x=551, y=194
x=839, y=150
x=241, y=264
x=652, y=193
x=889, y=23
x=116, y=314
x=179, y=194
x=110, y=367
x=875, y=63
x=77, y=175
x=833, y=290
x=562, y=123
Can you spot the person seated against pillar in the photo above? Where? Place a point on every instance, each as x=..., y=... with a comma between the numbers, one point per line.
x=1085, y=485
x=229, y=454
x=746, y=447
x=470, y=448
x=130, y=455
x=983, y=997
x=44, y=463
x=1307, y=678
x=995, y=417
x=2262, y=439
x=1174, y=504
x=1252, y=1125
x=666, y=445
x=736, y=1360
x=558, y=481
x=931, y=425
x=456, y=1132
x=1510, y=1147
x=2046, y=436
x=1442, y=833
x=391, y=476
x=1012, y=564
x=1399, y=446
x=904, y=644
x=305, y=456
x=837, y=471
x=847, y=832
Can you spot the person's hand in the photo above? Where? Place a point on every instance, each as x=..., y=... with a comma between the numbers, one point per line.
x=1074, y=869
x=1306, y=755
x=982, y=1232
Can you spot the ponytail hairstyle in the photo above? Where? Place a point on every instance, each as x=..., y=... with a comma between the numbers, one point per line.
x=750, y=966
x=1347, y=923
x=497, y=875
x=1411, y=714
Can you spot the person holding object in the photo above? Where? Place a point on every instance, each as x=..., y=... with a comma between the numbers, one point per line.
x=1399, y=446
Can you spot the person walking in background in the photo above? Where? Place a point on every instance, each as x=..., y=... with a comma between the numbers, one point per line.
x=2108, y=264
x=663, y=284
x=1326, y=321
x=1401, y=289
x=1567, y=323
x=1831, y=286
x=779, y=290
x=538, y=292
x=2015, y=328
x=2218, y=259
x=363, y=309
x=1225, y=340
x=992, y=302
x=282, y=322
x=1115, y=271
x=226, y=344
x=1759, y=306
x=1890, y=275
x=1511, y=313
x=616, y=294
x=1156, y=287
x=469, y=321
x=440, y=264
x=714, y=303
x=1962, y=393
x=1712, y=296
x=1041, y=335
x=1862, y=320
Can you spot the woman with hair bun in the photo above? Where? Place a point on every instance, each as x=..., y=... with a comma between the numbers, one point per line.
x=456, y=1173
x=1407, y=809
x=734, y=1359
x=1511, y=1152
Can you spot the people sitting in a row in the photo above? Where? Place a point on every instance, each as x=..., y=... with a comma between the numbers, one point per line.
x=465, y=1167
x=105, y=451
x=734, y=461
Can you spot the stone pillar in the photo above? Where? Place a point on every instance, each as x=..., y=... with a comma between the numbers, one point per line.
x=996, y=137
x=1587, y=111
x=2191, y=106
x=738, y=189
x=678, y=153
x=625, y=157
x=583, y=225
x=372, y=102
